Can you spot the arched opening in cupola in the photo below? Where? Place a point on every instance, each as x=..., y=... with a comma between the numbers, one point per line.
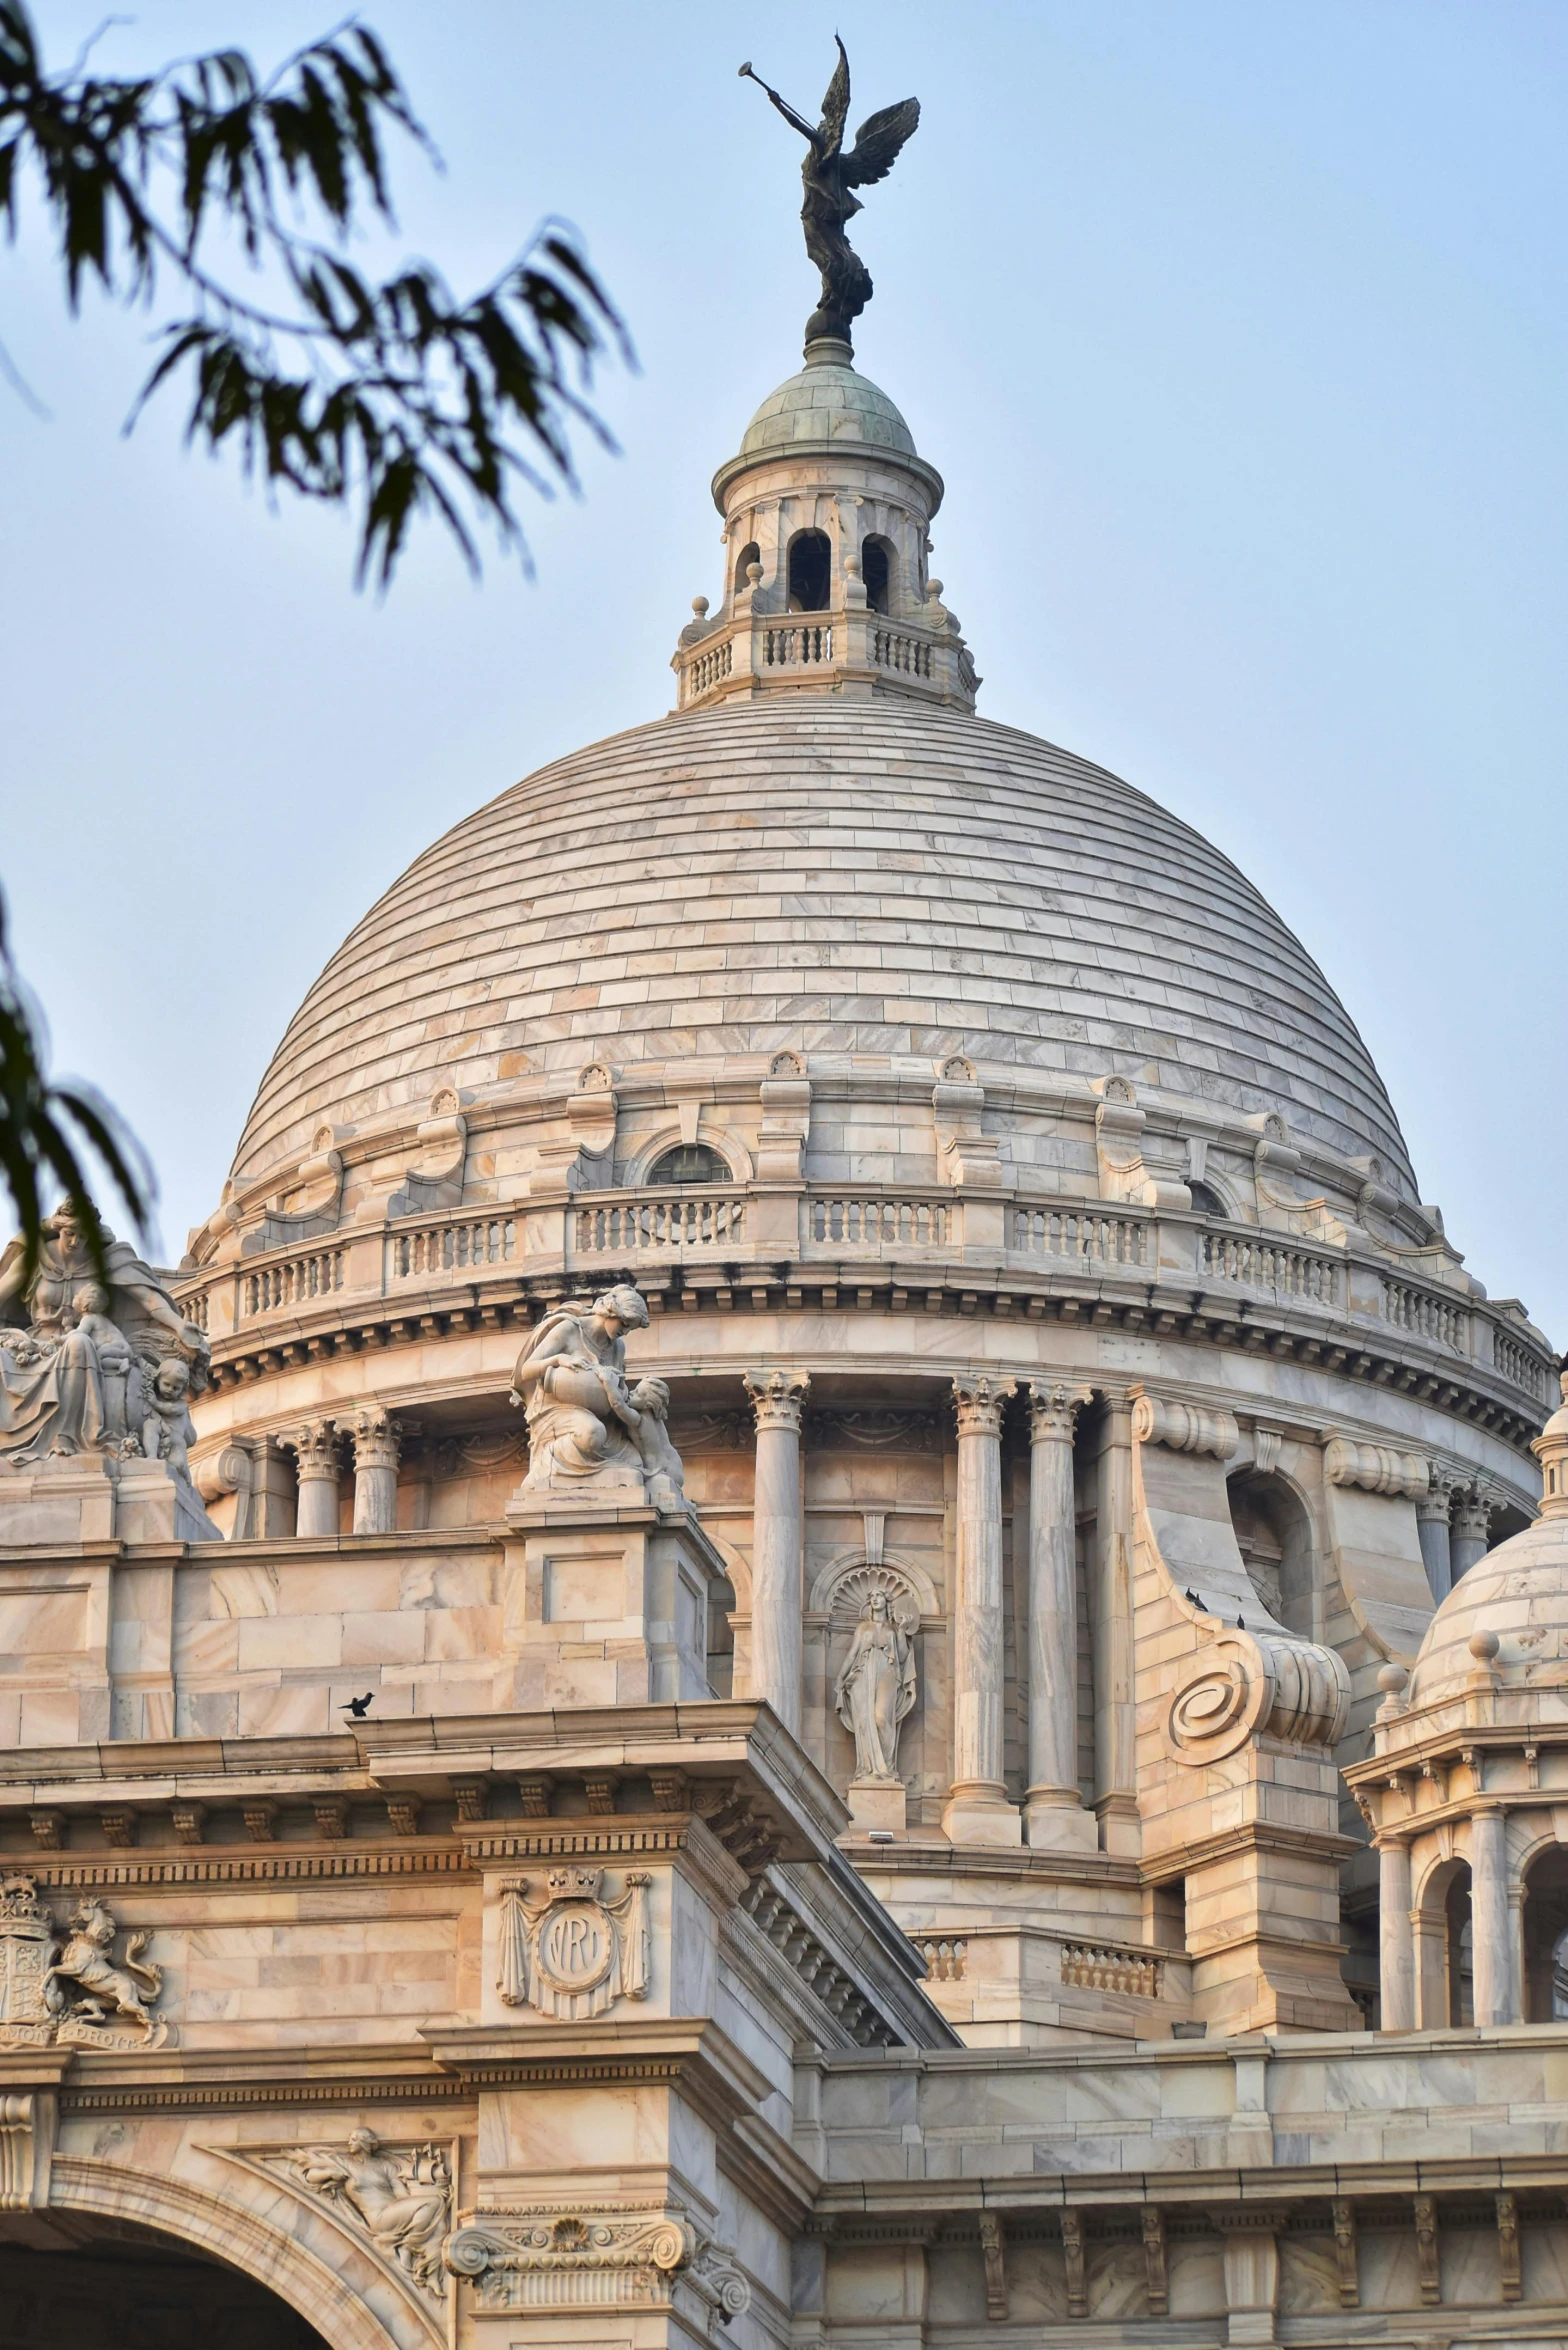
x=1546, y=1937
x=810, y=571
x=689, y=1162
x=749, y=554
x=876, y=570
x=1445, y=1959
x=1274, y=1536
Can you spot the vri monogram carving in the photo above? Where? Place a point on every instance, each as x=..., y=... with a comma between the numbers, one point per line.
x=65, y=1986
x=569, y=1954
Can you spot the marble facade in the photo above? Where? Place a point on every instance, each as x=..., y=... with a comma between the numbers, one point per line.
x=817, y=1172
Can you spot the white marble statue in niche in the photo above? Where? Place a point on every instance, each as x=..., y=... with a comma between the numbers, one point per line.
x=78, y=1376
x=876, y=1687
x=585, y=1425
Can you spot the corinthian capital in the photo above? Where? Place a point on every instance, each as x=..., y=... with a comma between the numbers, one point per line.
x=314, y=1444
x=980, y=1404
x=375, y=1435
x=1053, y=1408
x=778, y=1397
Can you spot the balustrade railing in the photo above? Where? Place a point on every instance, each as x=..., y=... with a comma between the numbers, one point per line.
x=1105, y=1966
x=295, y=1282
x=193, y=1305
x=676, y=1221
x=880, y=1223
x=1256, y=1263
x=890, y=649
x=1426, y=1314
x=711, y=667
x=429, y=1250
x=1085, y=1233
x=787, y=648
x=1520, y=1365
x=946, y=1956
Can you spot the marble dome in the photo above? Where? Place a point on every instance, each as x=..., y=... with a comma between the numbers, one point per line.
x=869, y=879
x=826, y=402
x=1517, y=1593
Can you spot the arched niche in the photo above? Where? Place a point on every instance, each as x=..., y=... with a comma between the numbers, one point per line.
x=1445, y=1965
x=878, y=561
x=1274, y=1535
x=838, y=1597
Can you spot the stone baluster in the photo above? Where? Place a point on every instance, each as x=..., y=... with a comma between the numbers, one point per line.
x=314, y=1445
x=376, y=1437
x=1432, y=1512
x=1472, y=1522
x=978, y=1811
x=1053, y=1808
x=1115, y=1766
x=1396, y=1939
x=777, y=1543
x=1492, y=1940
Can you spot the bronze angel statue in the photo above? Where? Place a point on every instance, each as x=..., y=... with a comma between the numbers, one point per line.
x=831, y=175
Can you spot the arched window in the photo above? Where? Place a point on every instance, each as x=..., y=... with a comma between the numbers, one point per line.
x=810, y=572
x=1546, y=1938
x=749, y=554
x=876, y=569
x=689, y=1162
x=1206, y=1200
x=1274, y=1536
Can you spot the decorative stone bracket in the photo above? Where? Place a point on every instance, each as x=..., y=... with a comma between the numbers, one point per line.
x=1125, y=1174
x=554, y=2257
x=966, y=1156
x=309, y=1204
x=434, y=1179
x=786, y=1120
x=590, y=1114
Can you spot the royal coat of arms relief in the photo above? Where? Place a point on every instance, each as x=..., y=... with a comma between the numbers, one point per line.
x=63, y=1985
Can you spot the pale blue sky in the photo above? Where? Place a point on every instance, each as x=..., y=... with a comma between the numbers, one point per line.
x=1240, y=333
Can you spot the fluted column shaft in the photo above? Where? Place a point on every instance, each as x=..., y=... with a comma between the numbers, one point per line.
x=978, y=1810
x=777, y=1546
x=1053, y=1811
x=1396, y=1940
x=1492, y=1942
x=314, y=1445
x=376, y=1437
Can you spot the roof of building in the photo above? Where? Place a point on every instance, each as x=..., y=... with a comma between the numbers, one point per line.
x=870, y=878
x=826, y=402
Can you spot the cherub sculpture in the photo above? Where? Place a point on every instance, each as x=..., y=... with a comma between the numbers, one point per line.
x=830, y=176
x=168, y=1430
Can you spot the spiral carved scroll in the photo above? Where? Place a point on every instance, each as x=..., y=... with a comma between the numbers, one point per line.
x=1246, y=1687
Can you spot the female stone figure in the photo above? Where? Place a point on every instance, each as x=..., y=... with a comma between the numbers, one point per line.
x=876, y=1688
x=571, y=1377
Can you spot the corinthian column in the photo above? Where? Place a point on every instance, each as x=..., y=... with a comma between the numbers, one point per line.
x=1472, y=1522
x=1432, y=1529
x=778, y=1398
x=376, y=1439
x=1115, y=1768
x=978, y=1811
x=314, y=1445
x=1053, y=1809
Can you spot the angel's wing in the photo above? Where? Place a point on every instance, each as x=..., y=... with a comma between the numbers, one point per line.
x=878, y=141
x=835, y=105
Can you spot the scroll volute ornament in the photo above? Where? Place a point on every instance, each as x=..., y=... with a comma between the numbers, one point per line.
x=1250, y=1685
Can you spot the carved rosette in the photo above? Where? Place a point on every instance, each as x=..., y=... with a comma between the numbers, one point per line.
x=550, y=2257
x=568, y=1953
x=980, y=1404
x=778, y=1398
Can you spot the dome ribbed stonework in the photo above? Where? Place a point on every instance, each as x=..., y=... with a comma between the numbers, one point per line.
x=851, y=878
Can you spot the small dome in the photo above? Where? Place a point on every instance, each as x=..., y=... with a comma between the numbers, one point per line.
x=826, y=402
x=1519, y=1592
